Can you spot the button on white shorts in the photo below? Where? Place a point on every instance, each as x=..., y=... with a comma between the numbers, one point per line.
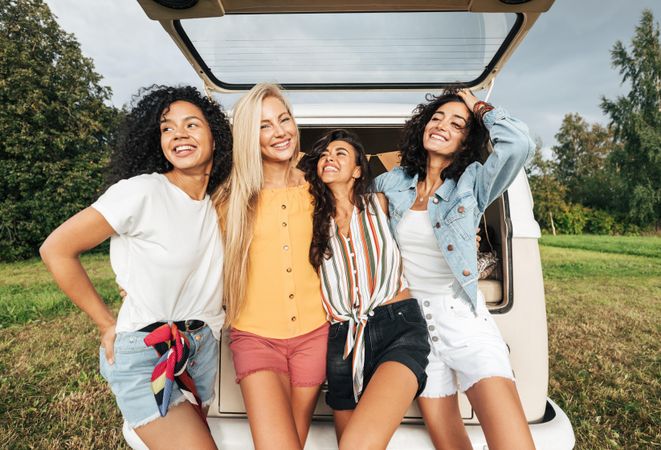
x=465, y=348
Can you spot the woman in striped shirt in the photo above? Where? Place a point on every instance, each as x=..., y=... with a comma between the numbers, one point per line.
x=378, y=338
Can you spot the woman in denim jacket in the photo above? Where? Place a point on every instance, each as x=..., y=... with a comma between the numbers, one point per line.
x=436, y=199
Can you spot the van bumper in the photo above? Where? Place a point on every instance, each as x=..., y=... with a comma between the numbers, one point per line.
x=554, y=432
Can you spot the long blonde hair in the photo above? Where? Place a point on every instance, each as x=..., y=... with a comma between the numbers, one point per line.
x=236, y=201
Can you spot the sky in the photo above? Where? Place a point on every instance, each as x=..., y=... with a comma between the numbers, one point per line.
x=563, y=65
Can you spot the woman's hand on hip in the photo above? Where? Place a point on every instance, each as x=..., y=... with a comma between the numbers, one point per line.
x=108, y=342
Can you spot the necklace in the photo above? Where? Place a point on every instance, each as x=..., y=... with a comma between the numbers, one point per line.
x=436, y=185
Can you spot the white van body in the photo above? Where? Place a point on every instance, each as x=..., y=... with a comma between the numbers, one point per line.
x=515, y=298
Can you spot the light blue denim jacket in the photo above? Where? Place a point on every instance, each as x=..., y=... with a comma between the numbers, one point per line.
x=456, y=208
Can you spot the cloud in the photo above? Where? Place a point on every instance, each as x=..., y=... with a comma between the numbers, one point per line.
x=129, y=50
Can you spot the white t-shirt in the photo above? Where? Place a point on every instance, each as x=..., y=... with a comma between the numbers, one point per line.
x=425, y=267
x=167, y=253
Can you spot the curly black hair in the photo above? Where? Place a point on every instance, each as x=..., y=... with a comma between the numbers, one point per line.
x=414, y=156
x=324, y=202
x=137, y=148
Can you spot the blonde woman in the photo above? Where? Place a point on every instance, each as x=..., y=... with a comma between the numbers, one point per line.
x=278, y=328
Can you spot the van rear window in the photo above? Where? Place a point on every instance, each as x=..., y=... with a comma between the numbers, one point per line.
x=349, y=50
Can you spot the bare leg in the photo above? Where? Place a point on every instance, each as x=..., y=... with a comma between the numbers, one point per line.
x=303, y=401
x=267, y=395
x=443, y=421
x=498, y=407
x=341, y=420
x=381, y=407
x=182, y=427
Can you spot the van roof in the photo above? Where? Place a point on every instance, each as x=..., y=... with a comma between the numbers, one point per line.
x=346, y=45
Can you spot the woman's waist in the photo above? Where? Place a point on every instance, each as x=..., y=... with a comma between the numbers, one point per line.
x=282, y=328
x=130, y=323
x=404, y=294
x=281, y=316
x=428, y=281
x=135, y=309
x=384, y=311
x=341, y=307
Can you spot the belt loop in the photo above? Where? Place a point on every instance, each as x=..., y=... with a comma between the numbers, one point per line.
x=391, y=311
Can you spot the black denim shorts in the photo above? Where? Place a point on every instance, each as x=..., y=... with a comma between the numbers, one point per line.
x=396, y=332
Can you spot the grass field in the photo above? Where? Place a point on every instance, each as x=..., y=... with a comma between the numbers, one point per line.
x=604, y=310
x=626, y=245
x=28, y=293
x=604, y=315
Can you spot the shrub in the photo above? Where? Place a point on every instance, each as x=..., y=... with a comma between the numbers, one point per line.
x=599, y=222
x=571, y=219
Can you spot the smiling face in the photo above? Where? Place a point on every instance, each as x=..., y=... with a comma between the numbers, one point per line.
x=337, y=164
x=186, y=139
x=446, y=130
x=278, y=136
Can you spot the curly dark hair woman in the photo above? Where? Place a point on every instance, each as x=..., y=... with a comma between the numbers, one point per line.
x=414, y=155
x=138, y=144
x=173, y=149
x=324, y=202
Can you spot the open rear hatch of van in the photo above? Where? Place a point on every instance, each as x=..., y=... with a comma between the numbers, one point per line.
x=325, y=48
x=347, y=45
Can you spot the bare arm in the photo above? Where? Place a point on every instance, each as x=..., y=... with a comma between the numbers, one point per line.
x=383, y=202
x=60, y=252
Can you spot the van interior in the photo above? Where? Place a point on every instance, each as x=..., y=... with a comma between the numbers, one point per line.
x=381, y=145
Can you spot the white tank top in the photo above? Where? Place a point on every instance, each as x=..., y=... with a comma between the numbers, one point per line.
x=425, y=267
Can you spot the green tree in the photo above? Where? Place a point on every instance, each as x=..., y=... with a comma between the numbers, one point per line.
x=636, y=121
x=582, y=156
x=547, y=192
x=54, y=125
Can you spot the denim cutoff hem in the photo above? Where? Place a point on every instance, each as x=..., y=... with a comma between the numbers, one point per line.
x=396, y=332
x=130, y=375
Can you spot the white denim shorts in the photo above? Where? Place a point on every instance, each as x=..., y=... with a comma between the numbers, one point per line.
x=465, y=348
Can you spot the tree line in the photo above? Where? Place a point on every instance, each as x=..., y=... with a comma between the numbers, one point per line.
x=607, y=179
x=56, y=124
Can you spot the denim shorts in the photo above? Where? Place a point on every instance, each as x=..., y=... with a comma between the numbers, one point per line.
x=396, y=332
x=466, y=347
x=130, y=375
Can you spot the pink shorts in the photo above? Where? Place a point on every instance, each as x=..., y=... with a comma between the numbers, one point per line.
x=302, y=358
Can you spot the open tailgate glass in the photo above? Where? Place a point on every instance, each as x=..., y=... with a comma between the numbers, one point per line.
x=391, y=50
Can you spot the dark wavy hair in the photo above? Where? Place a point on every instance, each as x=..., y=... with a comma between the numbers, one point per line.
x=137, y=146
x=324, y=202
x=414, y=156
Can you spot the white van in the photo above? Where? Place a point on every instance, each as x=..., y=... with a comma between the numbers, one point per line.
x=329, y=49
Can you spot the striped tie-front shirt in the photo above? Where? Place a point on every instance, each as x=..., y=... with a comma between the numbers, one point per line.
x=364, y=272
